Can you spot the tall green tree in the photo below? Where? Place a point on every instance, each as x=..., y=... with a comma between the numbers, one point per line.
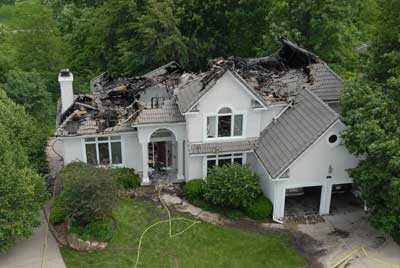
x=159, y=39
x=328, y=28
x=22, y=190
x=35, y=38
x=371, y=112
x=29, y=89
x=384, y=63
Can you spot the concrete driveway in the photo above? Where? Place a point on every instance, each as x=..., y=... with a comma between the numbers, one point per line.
x=29, y=252
x=344, y=231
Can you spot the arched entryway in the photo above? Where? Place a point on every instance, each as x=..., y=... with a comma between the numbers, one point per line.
x=162, y=155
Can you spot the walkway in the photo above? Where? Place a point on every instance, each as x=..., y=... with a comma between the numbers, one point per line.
x=28, y=252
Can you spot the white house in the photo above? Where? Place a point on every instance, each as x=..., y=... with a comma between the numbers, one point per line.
x=276, y=114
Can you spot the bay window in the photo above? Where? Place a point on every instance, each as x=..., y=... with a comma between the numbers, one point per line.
x=225, y=124
x=224, y=159
x=103, y=151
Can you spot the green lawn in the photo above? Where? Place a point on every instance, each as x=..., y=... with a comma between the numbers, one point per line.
x=204, y=245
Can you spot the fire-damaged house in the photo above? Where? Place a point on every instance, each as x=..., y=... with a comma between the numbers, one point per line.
x=277, y=114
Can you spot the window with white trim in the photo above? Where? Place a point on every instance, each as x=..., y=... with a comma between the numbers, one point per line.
x=225, y=124
x=103, y=151
x=224, y=159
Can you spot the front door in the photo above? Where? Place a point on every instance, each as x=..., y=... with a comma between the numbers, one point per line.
x=160, y=154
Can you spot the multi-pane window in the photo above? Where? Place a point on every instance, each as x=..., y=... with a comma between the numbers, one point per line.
x=224, y=124
x=103, y=150
x=223, y=159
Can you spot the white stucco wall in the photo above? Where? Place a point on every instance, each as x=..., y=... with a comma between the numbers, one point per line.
x=312, y=167
x=264, y=179
x=195, y=167
x=72, y=150
x=133, y=151
x=227, y=92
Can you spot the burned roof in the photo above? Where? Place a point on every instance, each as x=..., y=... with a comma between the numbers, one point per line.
x=274, y=78
x=166, y=93
x=116, y=104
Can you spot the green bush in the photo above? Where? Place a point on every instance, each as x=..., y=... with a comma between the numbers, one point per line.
x=233, y=186
x=126, y=177
x=194, y=189
x=57, y=213
x=98, y=230
x=260, y=209
x=88, y=193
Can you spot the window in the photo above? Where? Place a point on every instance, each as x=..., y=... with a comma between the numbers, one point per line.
x=225, y=124
x=333, y=138
x=103, y=151
x=223, y=159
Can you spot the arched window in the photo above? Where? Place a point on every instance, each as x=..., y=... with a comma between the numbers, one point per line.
x=225, y=124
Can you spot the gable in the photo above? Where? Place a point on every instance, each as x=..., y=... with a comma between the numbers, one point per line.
x=227, y=92
x=326, y=159
x=299, y=126
x=224, y=81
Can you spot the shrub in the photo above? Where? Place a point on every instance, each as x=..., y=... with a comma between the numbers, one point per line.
x=57, y=213
x=260, y=209
x=98, y=230
x=88, y=193
x=194, y=189
x=126, y=177
x=232, y=186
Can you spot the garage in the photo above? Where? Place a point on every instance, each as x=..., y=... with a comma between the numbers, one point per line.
x=304, y=204
x=301, y=202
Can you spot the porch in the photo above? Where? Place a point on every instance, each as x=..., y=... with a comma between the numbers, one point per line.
x=162, y=154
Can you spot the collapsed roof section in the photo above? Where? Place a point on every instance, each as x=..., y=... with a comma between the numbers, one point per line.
x=166, y=93
x=276, y=78
x=115, y=105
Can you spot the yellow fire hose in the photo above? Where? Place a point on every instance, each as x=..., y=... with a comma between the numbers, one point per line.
x=342, y=262
x=170, y=219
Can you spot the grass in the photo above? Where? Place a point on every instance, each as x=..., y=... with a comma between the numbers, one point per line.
x=204, y=245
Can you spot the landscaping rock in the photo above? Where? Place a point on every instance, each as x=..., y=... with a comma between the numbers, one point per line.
x=211, y=218
x=171, y=200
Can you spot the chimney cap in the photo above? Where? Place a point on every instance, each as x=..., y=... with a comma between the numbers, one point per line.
x=65, y=73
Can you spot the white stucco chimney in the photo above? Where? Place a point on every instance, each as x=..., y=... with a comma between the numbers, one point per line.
x=65, y=78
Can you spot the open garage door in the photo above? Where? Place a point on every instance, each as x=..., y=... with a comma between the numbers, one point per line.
x=345, y=198
x=303, y=204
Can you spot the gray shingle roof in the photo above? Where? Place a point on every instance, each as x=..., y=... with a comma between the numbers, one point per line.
x=282, y=141
x=168, y=113
x=327, y=84
x=222, y=147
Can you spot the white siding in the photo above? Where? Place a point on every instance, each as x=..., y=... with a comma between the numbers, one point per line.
x=72, y=150
x=312, y=168
x=265, y=180
x=133, y=152
x=227, y=92
x=195, y=167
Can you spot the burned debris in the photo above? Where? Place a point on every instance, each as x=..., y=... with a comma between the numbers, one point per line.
x=114, y=103
x=164, y=94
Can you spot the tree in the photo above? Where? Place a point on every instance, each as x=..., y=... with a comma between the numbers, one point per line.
x=22, y=190
x=35, y=37
x=384, y=63
x=159, y=42
x=29, y=89
x=373, y=133
x=23, y=130
x=328, y=28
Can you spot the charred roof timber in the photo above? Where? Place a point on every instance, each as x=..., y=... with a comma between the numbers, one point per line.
x=117, y=104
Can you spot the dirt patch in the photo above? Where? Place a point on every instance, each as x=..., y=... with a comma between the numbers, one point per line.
x=340, y=233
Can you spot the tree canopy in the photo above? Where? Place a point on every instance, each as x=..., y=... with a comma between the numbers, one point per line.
x=371, y=112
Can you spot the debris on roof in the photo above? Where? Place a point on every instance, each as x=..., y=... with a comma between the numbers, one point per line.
x=164, y=94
